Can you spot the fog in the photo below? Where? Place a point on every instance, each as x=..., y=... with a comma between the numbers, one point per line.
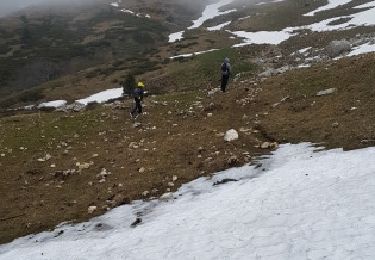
x=8, y=6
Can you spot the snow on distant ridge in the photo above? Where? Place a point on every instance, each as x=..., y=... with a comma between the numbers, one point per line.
x=211, y=11
x=300, y=204
x=363, y=18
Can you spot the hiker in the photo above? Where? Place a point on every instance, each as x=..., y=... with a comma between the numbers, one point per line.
x=225, y=73
x=138, y=97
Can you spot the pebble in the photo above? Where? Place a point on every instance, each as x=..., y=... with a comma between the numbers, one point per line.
x=91, y=209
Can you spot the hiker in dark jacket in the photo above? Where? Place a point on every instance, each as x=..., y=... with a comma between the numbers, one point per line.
x=225, y=73
x=138, y=97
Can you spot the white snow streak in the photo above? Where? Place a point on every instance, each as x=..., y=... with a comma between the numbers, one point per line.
x=303, y=205
x=192, y=54
x=219, y=26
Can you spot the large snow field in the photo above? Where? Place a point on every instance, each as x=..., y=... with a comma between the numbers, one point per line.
x=361, y=18
x=300, y=204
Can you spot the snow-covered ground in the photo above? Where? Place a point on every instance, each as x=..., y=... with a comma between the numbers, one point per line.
x=300, y=204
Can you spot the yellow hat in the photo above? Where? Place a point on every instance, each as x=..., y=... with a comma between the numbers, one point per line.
x=141, y=84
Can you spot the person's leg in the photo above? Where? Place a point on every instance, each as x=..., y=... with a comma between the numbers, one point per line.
x=223, y=84
x=138, y=105
x=140, y=108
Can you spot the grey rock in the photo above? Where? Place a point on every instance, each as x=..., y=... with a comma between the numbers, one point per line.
x=335, y=48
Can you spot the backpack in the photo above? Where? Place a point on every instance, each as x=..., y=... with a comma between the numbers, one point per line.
x=138, y=93
x=225, y=69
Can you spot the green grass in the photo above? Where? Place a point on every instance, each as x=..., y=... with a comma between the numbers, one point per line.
x=205, y=69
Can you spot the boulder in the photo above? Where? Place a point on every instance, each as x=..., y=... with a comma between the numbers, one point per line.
x=335, y=48
x=231, y=135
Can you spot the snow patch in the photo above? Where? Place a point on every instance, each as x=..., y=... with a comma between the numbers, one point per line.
x=362, y=49
x=261, y=37
x=103, y=96
x=173, y=37
x=211, y=11
x=54, y=103
x=218, y=27
x=300, y=203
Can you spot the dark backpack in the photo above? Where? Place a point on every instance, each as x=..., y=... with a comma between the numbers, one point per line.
x=225, y=70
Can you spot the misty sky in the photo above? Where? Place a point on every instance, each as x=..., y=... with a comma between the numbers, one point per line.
x=7, y=6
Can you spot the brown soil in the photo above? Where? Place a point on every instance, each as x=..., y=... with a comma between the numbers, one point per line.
x=171, y=141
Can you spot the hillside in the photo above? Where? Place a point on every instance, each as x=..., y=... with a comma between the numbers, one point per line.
x=303, y=83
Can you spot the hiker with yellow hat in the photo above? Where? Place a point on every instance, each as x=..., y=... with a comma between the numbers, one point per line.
x=138, y=97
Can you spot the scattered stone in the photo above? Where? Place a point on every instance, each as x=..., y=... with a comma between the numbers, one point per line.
x=231, y=135
x=91, y=209
x=233, y=161
x=136, y=222
x=133, y=145
x=223, y=181
x=174, y=178
x=209, y=114
x=141, y=170
x=326, y=92
x=268, y=145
